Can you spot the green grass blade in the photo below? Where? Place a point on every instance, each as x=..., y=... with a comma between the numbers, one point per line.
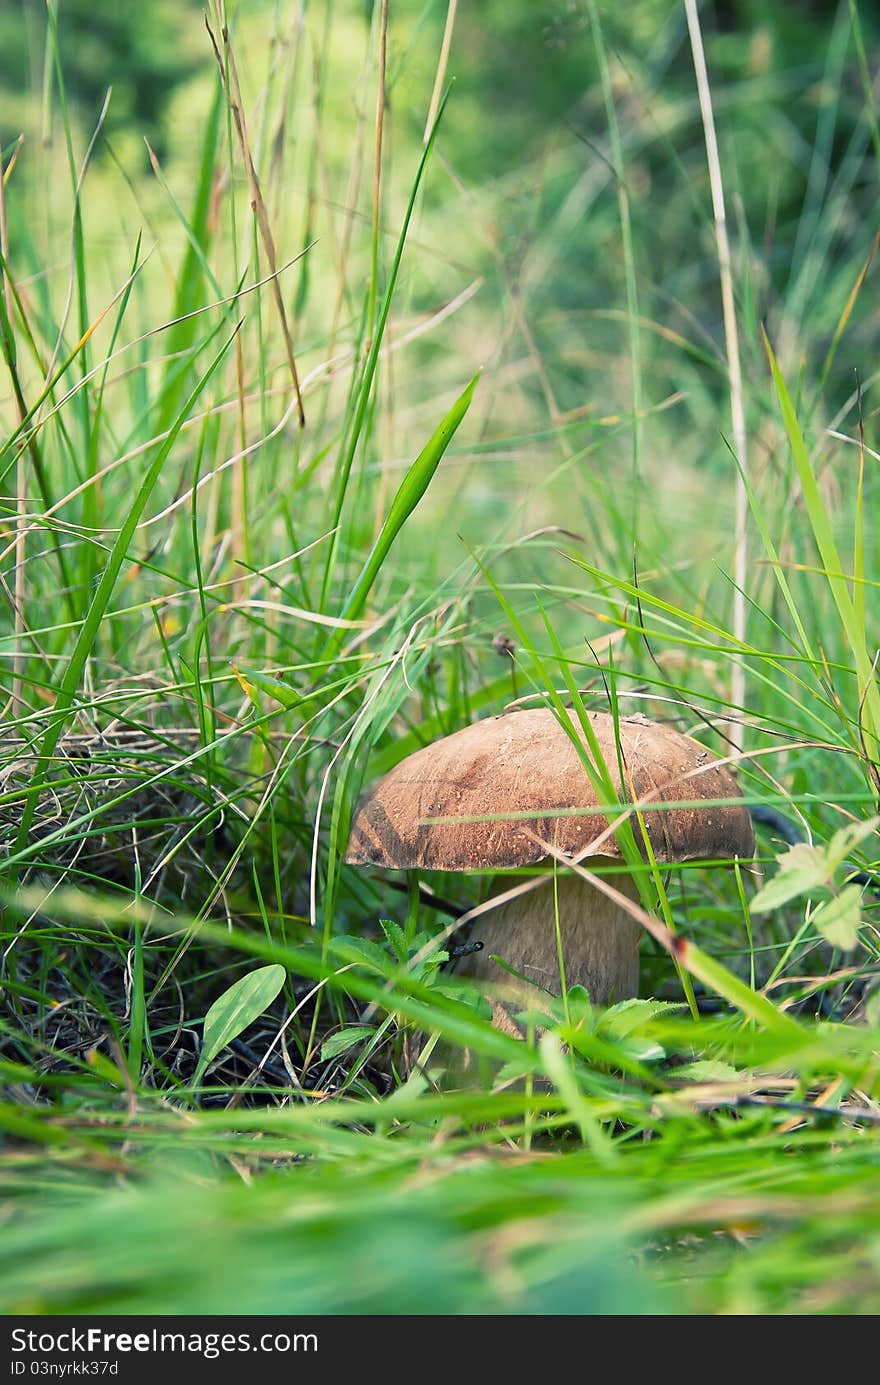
x=73, y=673
x=365, y=385
x=412, y=488
x=820, y=522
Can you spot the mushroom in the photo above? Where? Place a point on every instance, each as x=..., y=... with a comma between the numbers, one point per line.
x=525, y=765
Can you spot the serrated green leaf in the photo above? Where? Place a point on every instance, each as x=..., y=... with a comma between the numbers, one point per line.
x=237, y=1008
x=430, y=964
x=707, y=1070
x=802, y=868
x=362, y=951
x=838, y=919
x=629, y=1015
x=512, y=1071
x=396, y=938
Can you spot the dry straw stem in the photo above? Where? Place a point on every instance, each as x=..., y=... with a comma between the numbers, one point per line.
x=377, y=164
x=18, y=595
x=731, y=338
x=381, y=101
x=442, y=63
x=232, y=88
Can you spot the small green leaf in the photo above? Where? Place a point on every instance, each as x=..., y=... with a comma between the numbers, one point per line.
x=513, y=1071
x=641, y=1050
x=707, y=1070
x=805, y=868
x=251, y=680
x=105, y=1067
x=629, y=1015
x=396, y=938
x=236, y=1008
x=469, y=997
x=425, y=969
x=362, y=951
x=345, y=1039
x=801, y=869
x=838, y=919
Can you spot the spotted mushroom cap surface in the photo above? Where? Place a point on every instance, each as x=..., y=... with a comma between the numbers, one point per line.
x=524, y=762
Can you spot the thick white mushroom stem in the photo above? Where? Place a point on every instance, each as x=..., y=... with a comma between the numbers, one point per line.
x=600, y=941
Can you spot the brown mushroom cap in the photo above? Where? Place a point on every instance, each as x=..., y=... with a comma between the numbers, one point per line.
x=524, y=762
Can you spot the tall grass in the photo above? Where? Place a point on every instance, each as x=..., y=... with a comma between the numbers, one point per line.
x=220, y=624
